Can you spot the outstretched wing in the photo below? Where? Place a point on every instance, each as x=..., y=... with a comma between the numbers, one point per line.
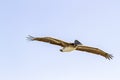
x=49, y=40
x=95, y=51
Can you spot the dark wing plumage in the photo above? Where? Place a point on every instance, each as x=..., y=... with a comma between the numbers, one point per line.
x=95, y=51
x=49, y=40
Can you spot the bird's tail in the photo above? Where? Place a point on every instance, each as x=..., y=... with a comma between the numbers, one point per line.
x=30, y=38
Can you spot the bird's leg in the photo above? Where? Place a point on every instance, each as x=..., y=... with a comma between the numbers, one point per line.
x=61, y=50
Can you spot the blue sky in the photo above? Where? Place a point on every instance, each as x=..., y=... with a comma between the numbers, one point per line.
x=93, y=22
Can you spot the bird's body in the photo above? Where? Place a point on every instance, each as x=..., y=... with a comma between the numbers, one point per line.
x=68, y=47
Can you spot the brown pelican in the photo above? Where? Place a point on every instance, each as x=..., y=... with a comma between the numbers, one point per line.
x=67, y=47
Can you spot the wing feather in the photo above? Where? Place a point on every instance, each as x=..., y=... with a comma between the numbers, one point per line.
x=94, y=51
x=49, y=40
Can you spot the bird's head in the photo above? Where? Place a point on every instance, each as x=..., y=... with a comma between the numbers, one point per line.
x=76, y=42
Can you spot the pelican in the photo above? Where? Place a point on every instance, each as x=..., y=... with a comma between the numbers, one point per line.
x=68, y=47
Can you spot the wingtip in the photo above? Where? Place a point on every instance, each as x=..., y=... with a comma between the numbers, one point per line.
x=109, y=56
x=30, y=38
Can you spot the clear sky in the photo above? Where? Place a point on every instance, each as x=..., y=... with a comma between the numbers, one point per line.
x=93, y=22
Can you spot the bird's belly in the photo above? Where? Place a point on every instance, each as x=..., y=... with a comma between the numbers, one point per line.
x=68, y=49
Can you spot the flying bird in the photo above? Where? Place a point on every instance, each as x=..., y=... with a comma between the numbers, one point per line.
x=67, y=47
